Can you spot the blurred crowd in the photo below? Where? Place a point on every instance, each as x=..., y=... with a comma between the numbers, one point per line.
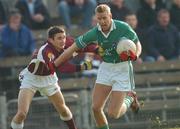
x=156, y=22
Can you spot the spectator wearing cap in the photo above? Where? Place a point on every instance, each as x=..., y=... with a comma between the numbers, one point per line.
x=17, y=39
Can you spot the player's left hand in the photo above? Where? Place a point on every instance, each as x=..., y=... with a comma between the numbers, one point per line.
x=128, y=55
x=86, y=65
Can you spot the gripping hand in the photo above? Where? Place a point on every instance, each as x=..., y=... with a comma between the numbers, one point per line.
x=86, y=65
x=128, y=55
x=100, y=51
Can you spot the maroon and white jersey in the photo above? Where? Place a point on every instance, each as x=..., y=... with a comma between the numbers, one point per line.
x=41, y=63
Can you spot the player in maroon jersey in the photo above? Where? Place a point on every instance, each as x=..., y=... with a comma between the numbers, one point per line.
x=40, y=76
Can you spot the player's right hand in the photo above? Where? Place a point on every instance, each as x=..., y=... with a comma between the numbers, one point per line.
x=128, y=55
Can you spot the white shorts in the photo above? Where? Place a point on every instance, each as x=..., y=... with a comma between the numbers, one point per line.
x=46, y=85
x=119, y=76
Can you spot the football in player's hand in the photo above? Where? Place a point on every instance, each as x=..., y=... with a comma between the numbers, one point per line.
x=126, y=50
x=125, y=45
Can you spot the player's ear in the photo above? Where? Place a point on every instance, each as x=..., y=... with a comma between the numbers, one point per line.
x=50, y=40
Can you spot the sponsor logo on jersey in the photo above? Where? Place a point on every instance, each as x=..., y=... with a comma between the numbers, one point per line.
x=51, y=56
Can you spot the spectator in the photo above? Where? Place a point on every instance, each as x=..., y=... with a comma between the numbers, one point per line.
x=2, y=15
x=17, y=39
x=118, y=9
x=175, y=13
x=132, y=20
x=147, y=13
x=163, y=39
x=94, y=21
x=68, y=8
x=133, y=5
x=162, y=3
x=159, y=3
x=35, y=15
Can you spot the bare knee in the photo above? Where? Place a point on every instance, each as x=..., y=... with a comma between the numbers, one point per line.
x=64, y=111
x=21, y=115
x=96, y=109
x=113, y=113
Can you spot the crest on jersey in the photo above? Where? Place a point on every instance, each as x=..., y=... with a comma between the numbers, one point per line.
x=50, y=56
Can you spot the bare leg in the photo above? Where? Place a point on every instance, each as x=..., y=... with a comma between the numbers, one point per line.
x=116, y=105
x=24, y=100
x=58, y=101
x=100, y=95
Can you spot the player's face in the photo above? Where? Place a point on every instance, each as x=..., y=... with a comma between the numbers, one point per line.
x=59, y=41
x=104, y=20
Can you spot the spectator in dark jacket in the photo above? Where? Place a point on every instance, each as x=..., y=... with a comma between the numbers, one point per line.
x=147, y=13
x=118, y=9
x=163, y=39
x=2, y=15
x=2, y=22
x=35, y=14
x=17, y=39
x=159, y=3
x=175, y=13
x=132, y=20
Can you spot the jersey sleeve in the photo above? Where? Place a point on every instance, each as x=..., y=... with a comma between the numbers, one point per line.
x=69, y=41
x=130, y=33
x=88, y=38
x=92, y=48
x=68, y=67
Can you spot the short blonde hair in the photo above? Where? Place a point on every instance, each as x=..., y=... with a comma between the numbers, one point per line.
x=102, y=8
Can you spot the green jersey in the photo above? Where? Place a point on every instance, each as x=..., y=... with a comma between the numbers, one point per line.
x=108, y=41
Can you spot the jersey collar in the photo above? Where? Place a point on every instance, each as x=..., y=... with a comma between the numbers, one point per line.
x=113, y=26
x=53, y=48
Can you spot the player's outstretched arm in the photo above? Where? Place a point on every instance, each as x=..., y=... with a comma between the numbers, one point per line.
x=92, y=48
x=69, y=67
x=66, y=54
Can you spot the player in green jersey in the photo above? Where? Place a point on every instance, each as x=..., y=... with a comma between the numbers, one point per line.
x=115, y=74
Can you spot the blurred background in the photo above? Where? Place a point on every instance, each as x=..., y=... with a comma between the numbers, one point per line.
x=23, y=26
